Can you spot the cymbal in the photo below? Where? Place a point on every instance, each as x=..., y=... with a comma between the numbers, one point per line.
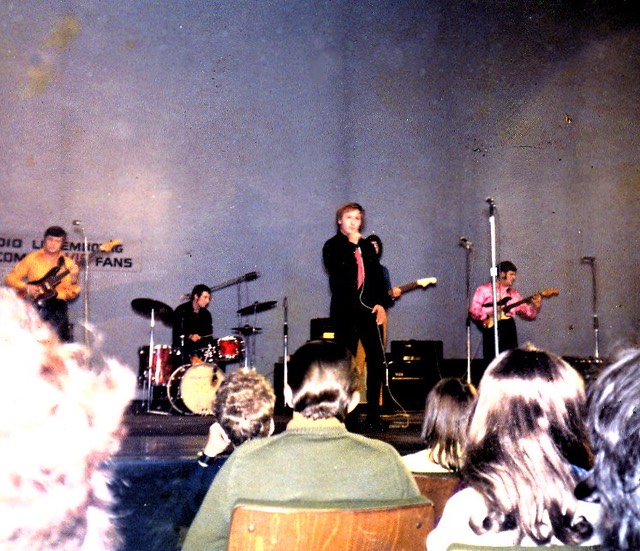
x=247, y=330
x=161, y=311
x=257, y=307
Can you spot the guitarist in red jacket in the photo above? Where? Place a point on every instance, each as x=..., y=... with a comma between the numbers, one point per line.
x=38, y=277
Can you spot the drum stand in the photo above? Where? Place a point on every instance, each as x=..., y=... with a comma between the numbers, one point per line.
x=148, y=387
x=151, y=308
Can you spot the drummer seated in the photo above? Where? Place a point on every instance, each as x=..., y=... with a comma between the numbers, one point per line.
x=314, y=460
x=243, y=410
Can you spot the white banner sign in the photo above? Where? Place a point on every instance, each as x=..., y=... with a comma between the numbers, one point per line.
x=122, y=258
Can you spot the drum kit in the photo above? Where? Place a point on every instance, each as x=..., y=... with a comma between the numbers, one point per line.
x=190, y=387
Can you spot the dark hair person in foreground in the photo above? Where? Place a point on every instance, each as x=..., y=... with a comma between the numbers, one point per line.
x=525, y=448
x=444, y=427
x=314, y=460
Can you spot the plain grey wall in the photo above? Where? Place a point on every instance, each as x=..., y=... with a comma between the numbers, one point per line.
x=218, y=138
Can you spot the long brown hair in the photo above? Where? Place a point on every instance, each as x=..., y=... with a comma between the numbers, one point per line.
x=526, y=430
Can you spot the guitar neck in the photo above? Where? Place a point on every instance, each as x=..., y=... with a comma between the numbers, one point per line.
x=506, y=308
x=409, y=286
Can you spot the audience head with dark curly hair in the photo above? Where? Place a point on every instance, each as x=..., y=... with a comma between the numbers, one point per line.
x=614, y=425
x=244, y=406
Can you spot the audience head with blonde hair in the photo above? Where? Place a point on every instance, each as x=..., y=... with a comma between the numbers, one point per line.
x=526, y=431
x=614, y=424
x=59, y=421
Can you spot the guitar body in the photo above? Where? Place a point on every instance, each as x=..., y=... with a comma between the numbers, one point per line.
x=503, y=308
x=47, y=284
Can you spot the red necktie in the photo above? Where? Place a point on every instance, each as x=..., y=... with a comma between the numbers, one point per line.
x=360, y=264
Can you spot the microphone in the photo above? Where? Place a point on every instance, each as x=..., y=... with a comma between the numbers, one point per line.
x=492, y=205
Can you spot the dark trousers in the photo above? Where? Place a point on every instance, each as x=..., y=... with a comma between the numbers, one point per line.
x=507, y=339
x=55, y=312
x=359, y=324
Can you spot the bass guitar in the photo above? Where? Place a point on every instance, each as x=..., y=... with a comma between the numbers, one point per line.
x=48, y=283
x=424, y=282
x=504, y=308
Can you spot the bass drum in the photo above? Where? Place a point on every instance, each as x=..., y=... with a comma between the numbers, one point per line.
x=192, y=388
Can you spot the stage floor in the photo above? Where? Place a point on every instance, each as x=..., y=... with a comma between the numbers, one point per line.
x=165, y=436
x=155, y=471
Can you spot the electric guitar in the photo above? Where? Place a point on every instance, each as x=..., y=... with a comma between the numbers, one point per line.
x=424, y=282
x=503, y=307
x=47, y=284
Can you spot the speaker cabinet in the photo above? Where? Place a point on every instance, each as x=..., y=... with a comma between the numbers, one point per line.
x=414, y=367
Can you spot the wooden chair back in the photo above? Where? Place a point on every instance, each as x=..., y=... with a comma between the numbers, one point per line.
x=438, y=487
x=272, y=527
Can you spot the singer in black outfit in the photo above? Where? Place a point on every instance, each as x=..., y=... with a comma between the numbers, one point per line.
x=193, y=325
x=358, y=301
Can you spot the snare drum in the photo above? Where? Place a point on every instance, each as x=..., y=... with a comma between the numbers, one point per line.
x=230, y=348
x=161, y=364
x=203, y=355
x=192, y=388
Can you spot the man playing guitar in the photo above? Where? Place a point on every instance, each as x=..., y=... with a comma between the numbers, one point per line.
x=481, y=310
x=37, y=277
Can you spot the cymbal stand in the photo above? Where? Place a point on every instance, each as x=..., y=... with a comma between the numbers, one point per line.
x=464, y=242
x=149, y=375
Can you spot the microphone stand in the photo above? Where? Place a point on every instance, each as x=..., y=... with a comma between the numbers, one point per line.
x=494, y=272
x=285, y=343
x=591, y=260
x=85, y=298
x=464, y=242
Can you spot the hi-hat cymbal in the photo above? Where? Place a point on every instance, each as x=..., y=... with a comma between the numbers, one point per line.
x=247, y=330
x=161, y=311
x=257, y=307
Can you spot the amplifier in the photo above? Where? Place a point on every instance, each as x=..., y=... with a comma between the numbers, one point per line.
x=409, y=383
x=321, y=329
x=417, y=350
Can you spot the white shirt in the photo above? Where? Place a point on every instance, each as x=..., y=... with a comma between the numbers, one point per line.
x=454, y=524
